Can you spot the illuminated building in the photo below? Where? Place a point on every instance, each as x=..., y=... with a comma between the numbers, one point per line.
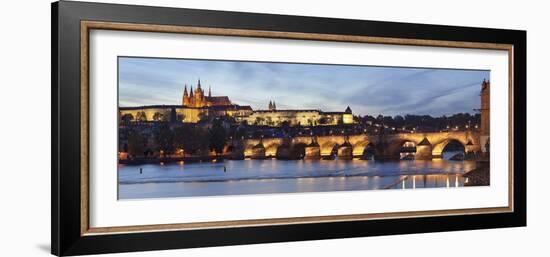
x=195, y=106
x=303, y=117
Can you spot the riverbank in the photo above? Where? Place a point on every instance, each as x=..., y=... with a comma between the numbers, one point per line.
x=187, y=159
x=480, y=176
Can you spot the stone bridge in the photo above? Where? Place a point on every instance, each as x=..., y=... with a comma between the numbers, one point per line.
x=425, y=145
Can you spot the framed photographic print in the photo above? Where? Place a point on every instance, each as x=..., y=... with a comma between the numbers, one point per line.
x=178, y=128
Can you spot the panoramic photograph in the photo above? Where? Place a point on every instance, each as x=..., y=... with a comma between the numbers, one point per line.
x=190, y=127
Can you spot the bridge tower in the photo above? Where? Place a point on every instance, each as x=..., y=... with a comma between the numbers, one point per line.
x=485, y=116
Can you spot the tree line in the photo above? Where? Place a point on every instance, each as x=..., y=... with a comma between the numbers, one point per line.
x=188, y=137
x=409, y=120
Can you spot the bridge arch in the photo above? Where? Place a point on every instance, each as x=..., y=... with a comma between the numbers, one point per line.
x=256, y=151
x=368, y=152
x=437, y=151
x=394, y=149
x=455, y=147
x=359, y=147
x=271, y=150
x=299, y=150
x=327, y=148
x=407, y=150
x=291, y=151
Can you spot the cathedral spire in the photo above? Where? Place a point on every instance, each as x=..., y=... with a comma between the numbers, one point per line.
x=191, y=92
x=272, y=106
x=185, y=98
x=199, y=85
x=209, y=91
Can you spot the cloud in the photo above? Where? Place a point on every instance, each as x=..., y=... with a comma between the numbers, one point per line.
x=366, y=89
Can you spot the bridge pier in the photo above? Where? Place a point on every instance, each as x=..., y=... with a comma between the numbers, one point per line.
x=258, y=153
x=345, y=152
x=313, y=152
x=424, y=150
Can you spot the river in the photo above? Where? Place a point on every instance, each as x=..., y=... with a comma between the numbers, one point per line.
x=237, y=177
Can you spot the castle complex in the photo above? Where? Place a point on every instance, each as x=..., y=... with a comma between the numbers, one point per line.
x=196, y=106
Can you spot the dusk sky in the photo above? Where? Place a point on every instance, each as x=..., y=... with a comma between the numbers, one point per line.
x=366, y=89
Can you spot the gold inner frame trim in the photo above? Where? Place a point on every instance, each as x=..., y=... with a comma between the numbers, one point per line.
x=86, y=26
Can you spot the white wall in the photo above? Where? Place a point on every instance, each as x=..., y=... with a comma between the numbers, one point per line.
x=25, y=125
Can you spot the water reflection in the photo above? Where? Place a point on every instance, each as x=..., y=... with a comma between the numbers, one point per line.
x=429, y=181
x=276, y=176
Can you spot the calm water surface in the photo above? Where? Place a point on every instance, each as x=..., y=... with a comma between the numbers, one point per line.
x=279, y=176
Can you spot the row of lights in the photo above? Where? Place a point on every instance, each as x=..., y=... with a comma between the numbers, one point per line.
x=365, y=130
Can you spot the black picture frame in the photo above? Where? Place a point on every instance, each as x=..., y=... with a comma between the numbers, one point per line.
x=66, y=234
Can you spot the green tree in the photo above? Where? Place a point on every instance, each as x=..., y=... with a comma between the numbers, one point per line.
x=127, y=118
x=158, y=116
x=217, y=137
x=165, y=140
x=135, y=144
x=285, y=124
x=140, y=116
x=190, y=138
x=398, y=119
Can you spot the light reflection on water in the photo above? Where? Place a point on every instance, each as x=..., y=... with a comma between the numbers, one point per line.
x=277, y=176
x=428, y=181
